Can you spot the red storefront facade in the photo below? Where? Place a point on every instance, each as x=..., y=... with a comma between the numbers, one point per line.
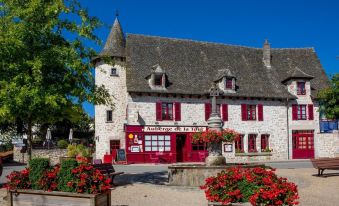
x=163, y=144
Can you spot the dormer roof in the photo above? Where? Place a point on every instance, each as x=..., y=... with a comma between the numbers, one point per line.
x=224, y=73
x=296, y=73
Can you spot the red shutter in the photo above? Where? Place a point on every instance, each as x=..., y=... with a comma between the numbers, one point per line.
x=177, y=107
x=243, y=112
x=294, y=112
x=158, y=111
x=260, y=112
x=208, y=108
x=224, y=110
x=310, y=112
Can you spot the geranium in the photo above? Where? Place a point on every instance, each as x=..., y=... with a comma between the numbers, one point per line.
x=257, y=185
x=226, y=135
x=18, y=180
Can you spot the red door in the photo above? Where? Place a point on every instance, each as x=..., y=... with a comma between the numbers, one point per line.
x=303, y=144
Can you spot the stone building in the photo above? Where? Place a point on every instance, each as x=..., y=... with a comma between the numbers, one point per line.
x=161, y=94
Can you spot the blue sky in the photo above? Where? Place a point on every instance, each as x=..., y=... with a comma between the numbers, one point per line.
x=285, y=23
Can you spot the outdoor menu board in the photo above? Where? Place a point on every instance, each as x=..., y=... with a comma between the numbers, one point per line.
x=121, y=155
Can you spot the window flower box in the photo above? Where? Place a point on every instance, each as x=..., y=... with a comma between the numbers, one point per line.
x=39, y=197
x=254, y=154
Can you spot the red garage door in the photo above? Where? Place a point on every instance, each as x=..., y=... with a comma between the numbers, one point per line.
x=303, y=144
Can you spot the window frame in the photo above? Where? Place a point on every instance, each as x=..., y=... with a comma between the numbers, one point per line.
x=152, y=140
x=239, y=144
x=301, y=90
x=229, y=83
x=301, y=112
x=109, y=115
x=116, y=71
x=158, y=80
x=252, y=143
x=264, y=142
x=199, y=147
x=251, y=112
x=165, y=111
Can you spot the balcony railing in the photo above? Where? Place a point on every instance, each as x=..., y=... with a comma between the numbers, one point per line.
x=327, y=126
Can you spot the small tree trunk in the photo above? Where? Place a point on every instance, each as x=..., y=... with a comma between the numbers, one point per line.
x=29, y=139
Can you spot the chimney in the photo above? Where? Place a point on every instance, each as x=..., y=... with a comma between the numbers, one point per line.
x=267, y=54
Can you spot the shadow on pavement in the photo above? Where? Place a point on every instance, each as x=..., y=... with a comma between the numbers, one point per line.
x=156, y=178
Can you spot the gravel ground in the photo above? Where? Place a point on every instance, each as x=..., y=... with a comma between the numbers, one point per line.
x=150, y=189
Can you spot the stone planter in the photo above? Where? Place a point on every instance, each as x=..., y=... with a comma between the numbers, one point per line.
x=39, y=197
x=230, y=204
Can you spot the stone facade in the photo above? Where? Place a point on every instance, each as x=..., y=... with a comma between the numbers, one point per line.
x=53, y=154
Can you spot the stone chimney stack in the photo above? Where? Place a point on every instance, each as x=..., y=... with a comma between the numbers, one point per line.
x=267, y=54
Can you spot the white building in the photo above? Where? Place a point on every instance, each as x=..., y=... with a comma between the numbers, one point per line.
x=161, y=94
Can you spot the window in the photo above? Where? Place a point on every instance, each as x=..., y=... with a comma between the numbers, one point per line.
x=114, y=72
x=301, y=114
x=109, y=116
x=155, y=143
x=199, y=146
x=167, y=111
x=115, y=144
x=252, y=143
x=251, y=112
x=239, y=144
x=301, y=88
x=229, y=83
x=157, y=80
x=264, y=143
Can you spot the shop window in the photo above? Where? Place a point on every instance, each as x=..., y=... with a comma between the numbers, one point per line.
x=157, y=143
x=265, y=143
x=301, y=88
x=109, y=116
x=167, y=111
x=199, y=146
x=252, y=143
x=239, y=144
x=251, y=112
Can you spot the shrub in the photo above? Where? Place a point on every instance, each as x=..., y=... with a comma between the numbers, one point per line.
x=19, y=180
x=71, y=150
x=256, y=185
x=49, y=179
x=62, y=144
x=37, y=166
x=65, y=175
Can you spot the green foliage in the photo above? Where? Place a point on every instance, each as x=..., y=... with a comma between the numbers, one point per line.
x=71, y=150
x=247, y=189
x=329, y=99
x=37, y=166
x=62, y=144
x=45, y=77
x=65, y=175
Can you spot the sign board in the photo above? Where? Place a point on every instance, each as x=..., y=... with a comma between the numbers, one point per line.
x=173, y=129
x=228, y=147
x=121, y=155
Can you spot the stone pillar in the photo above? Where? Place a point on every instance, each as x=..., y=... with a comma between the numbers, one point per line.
x=215, y=123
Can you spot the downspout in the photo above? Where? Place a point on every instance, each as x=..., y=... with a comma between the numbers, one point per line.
x=288, y=130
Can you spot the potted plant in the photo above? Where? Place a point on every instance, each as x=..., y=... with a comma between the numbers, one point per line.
x=257, y=186
x=71, y=183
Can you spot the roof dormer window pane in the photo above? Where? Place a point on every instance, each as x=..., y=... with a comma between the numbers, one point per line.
x=158, y=80
x=301, y=88
x=229, y=83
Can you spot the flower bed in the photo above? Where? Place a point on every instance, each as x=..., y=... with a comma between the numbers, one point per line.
x=255, y=185
x=211, y=136
x=71, y=177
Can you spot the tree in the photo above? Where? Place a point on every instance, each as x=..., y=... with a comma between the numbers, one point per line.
x=44, y=76
x=329, y=99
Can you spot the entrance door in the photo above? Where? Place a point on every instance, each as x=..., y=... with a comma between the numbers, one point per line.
x=303, y=144
x=180, y=145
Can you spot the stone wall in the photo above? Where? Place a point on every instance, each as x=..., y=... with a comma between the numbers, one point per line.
x=327, y=144
x=52, y=154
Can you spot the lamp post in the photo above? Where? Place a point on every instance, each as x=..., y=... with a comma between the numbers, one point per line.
x=48, y=137
x=215, y=123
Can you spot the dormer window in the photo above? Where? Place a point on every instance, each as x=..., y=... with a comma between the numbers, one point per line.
x=301, y=90
x=229, y=83
x=114, y=71
x=158, y=80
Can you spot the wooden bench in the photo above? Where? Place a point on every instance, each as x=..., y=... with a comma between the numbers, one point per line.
x=325, y=163
x=107, y=169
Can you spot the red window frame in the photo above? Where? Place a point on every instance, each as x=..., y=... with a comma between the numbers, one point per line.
x=252, y=146
x=251, y=112
x=199, y=146
x=167, y=111
x=264, y=142
x=301, y=112
x=229, y=83
x=301, y=88
x=157, y=143
x=239, y=144
x=158, y=80
x=114, y=144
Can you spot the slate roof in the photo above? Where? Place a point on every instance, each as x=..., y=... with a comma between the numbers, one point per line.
x=192, y=66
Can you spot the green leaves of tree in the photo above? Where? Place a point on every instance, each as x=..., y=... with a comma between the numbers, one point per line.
x=329, y=98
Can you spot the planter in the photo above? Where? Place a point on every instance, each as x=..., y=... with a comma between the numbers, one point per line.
x=230, y=204
x=39, y=197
